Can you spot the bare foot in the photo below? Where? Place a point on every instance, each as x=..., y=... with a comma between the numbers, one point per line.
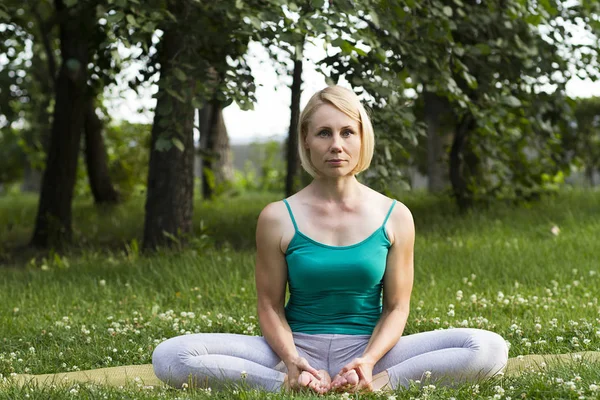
x=321, y=386
x=346, y=381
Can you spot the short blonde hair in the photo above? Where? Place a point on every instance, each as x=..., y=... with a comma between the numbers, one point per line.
x=347, y=102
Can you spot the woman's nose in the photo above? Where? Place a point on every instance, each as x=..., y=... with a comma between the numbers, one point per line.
x=336, y=143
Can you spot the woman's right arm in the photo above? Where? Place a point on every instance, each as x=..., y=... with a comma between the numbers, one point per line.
x=271, y=281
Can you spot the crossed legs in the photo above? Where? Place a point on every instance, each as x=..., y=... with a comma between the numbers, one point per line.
x=451, y=356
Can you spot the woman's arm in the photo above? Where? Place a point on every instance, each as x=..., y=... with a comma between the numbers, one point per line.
x=271, y=280
x=397, y=288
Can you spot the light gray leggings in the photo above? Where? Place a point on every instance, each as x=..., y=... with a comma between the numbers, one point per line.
x=452, y=356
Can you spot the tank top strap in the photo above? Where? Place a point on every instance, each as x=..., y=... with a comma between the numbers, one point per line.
x=389, y=213
x=291, y=214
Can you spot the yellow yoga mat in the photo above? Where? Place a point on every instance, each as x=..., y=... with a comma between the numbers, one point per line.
x=143, y=375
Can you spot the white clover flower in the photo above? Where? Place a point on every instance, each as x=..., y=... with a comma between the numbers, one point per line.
x=555, y=230
x=451, y=313
x=102, y=282
x=559, y=338
x=593, y=388
x=459, y=295
x=538, y=327
x=244, y=374
x=473, y=298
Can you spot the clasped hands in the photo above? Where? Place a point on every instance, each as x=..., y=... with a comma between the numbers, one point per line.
x=356, y=376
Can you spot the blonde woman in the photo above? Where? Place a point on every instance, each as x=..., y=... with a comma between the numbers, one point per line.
x=345, y=252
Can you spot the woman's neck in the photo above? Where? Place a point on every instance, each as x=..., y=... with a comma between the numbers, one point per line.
x=341, y=190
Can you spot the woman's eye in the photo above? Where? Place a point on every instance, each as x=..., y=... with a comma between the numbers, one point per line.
x=347, y=132
x=323, y=133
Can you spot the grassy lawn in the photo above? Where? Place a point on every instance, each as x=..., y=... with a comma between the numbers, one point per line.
x=103, y=304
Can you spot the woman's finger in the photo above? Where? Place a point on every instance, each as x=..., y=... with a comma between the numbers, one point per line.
x=306, y=367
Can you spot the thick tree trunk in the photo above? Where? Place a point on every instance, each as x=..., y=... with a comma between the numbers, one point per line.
x=292, y=178
x=169, y=201
x=96, y=159
x=53, y=222
x=438, y=119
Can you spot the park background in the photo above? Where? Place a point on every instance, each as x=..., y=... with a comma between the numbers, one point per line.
x=132, y=171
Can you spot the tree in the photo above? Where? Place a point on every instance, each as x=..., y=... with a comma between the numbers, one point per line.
x=53, y=221
x=584, y=143
x=170, y=192
x=96, y=159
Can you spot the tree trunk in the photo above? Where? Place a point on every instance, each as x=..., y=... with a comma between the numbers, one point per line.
x=458, y=167
x=217, y=161
x=169, y=201
x=53, y=222
x=206, y=118
x=292, y=178
x=438, y=119
x=96, y=158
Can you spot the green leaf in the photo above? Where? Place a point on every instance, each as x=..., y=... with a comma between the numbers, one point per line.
x=511, y=101
x=448, y=11
x=70, y=3
x=131, y=19
x=114, y=18
x=178, y=143
x=375, y=19
x=163, y=144
x=179, y=74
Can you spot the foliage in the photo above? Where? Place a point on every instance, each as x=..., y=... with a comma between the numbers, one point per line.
x=490, y=60
x=11, y=156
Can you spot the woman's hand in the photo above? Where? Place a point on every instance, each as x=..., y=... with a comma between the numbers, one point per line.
x=355, y=376
x=302, y=375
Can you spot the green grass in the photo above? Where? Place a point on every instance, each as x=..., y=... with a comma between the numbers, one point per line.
x=101, y=303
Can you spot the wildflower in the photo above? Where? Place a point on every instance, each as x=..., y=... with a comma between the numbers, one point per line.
x=593, y=388
x=555, y=230
x=102, y=282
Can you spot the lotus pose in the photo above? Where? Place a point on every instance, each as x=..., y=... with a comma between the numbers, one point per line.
x=346, y=253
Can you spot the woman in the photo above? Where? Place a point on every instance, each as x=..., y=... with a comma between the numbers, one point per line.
x=346, y=252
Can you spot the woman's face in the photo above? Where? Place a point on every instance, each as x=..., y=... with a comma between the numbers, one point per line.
x=333, y=140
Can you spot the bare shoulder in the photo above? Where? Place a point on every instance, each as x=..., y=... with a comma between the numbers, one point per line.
x=273, y=224
x=272, y=213
x=401, y=224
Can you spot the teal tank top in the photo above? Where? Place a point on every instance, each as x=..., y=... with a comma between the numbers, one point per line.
x=335, y=289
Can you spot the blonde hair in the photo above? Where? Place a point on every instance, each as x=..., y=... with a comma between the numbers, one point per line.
x=347, y=102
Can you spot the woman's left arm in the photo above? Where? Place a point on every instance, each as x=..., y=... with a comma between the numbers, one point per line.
x=397, y=288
